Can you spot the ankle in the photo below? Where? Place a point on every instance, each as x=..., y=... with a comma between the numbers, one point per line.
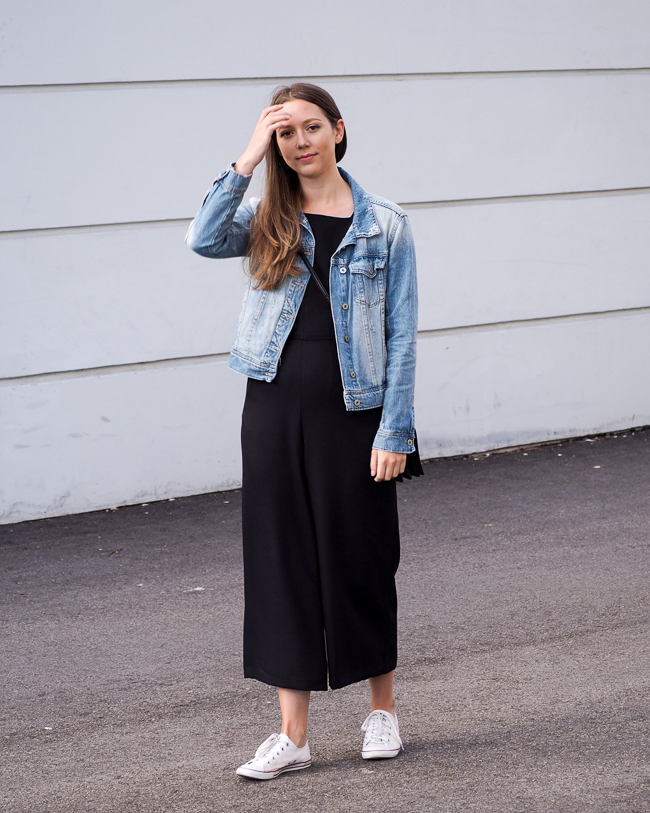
x=384, y=705
x=297, y=735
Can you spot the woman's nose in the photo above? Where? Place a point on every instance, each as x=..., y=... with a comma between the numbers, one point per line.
x=303, y=141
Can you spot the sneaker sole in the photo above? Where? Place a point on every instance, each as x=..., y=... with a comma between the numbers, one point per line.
x=380, y=754
x=252, y=774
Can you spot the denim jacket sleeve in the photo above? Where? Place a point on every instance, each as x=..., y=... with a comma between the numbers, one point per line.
x=395, y=433
x=221, y=226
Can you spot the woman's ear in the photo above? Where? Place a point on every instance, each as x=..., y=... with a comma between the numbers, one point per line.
x=339, y=131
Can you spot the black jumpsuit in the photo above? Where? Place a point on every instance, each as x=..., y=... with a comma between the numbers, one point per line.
x=320, y=536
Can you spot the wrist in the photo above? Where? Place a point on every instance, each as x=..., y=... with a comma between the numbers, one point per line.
x=244, y=165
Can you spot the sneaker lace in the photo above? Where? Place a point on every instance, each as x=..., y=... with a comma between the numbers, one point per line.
x=267, y=745
x=377, y=727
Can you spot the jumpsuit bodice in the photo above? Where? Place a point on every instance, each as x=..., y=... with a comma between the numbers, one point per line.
x=314, y=319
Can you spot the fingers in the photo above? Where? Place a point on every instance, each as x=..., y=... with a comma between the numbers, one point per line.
x=386, y=465
x=272, y=117
x=373, y=462
x=272, y=109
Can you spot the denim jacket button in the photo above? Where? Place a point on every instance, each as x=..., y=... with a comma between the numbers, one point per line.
x=353, y=374
x=343, y=269
x=347, y=338
x=344, y=306
x=410, y=442
x=357, y=402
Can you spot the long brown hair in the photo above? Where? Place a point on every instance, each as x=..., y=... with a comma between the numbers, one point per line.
x=275, y=227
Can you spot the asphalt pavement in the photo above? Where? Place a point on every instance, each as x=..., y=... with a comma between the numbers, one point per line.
x=523, y=683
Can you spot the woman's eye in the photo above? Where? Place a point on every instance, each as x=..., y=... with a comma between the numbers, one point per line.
x=314, y=127
x=285, y=133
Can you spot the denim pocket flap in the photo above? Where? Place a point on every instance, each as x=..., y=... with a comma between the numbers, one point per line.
x=368, y=267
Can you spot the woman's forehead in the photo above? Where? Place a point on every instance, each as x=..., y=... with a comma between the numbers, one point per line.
x=302, y=109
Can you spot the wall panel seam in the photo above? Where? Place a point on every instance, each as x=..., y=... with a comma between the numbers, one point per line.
x=113, y=369
x=168, y=363
x=407, y=205
x=136, y=84
x=541, y=320
x=585, y=193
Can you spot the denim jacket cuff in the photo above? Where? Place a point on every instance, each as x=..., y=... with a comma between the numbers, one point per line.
x=392, y=442
x=234, y=181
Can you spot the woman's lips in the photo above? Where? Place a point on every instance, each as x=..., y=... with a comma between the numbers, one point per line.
x=307, y=157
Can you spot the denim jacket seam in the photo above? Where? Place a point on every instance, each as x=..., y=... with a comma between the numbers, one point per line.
x=394, y=433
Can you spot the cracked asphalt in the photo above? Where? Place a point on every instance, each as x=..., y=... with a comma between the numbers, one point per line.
x=523, y=684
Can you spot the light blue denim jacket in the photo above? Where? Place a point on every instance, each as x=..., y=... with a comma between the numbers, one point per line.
x=373, y=292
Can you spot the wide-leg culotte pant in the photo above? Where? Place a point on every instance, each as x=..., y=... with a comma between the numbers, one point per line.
x=320, y=536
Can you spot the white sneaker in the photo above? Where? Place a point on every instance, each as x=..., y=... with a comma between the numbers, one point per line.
x=276, y=755
x=382, y=739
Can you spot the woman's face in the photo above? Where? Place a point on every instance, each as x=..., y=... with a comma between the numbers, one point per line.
x=307, y=141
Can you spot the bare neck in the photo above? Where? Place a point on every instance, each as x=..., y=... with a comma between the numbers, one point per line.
x=327, y=196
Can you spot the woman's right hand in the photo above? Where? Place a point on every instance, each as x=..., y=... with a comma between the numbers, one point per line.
x=271, y=119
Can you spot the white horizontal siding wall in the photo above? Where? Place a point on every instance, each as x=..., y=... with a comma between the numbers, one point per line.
x=514, y=133
x=129, y=155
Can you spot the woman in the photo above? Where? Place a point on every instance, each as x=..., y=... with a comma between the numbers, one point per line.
x=328, y=418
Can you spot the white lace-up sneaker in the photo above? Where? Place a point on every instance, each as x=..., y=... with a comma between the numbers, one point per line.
x=276, y=755
x=381, y=739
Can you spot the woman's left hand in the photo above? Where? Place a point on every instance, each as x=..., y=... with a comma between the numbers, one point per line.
x=386, y=465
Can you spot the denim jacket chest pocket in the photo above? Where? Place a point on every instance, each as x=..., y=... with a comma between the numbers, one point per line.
x=368, y=280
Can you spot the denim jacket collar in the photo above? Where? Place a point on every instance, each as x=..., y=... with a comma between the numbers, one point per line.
x=364, y=223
